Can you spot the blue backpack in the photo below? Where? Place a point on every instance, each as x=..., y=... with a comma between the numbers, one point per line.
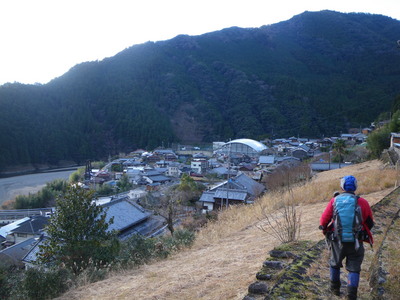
x=347, y=218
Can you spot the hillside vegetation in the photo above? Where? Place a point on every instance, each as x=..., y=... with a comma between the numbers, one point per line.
x=228, y=253
x=316, y=74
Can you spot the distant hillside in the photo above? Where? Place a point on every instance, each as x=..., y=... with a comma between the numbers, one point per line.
x=316, y=74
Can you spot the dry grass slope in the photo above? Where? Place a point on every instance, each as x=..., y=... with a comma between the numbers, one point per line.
x=227, y=254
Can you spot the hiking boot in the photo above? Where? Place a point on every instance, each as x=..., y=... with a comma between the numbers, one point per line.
x=352, y=292
x=335, y=288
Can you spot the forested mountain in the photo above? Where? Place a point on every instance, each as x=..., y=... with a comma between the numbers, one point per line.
x=316, y=74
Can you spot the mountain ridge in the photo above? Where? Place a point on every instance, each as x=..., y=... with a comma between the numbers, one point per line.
x=317, y=74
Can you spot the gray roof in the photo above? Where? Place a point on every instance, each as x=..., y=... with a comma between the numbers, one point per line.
x=231, y=194
x=151, y=172
x=15, y=253
x=164, y=151
x=287, y=158
x=5, y=230
x=328, y=166
x=219, y=170
x=263, y=159
x=158, y=178
x=31, y=256
x=126, y=214
x=144, y=228
x=207, y=196
x=304, y=147
x=252, y=186
x=33, y=225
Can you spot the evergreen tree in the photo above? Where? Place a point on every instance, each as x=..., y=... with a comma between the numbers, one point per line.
x=78, y=233
x=124, y=184
x=378, y=140
x=340, y=147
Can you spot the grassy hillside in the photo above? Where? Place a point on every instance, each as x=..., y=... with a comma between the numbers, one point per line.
x=228, y=253
x=316, y=74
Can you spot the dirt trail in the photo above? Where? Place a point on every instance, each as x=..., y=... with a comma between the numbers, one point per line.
x=376, y=282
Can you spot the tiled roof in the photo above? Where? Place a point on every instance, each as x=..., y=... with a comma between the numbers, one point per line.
x=32, y=254
x=33, y=225
x=4, y=231
x=263, y=159
x=252, y=186
x=230, y=194
x=126, y=214
x=17, y=252
x=158, y=178
x=207, y=196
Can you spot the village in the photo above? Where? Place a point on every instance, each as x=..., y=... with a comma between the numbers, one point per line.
x=232, y=173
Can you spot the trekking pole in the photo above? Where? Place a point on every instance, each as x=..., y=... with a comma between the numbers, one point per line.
x=326, y=236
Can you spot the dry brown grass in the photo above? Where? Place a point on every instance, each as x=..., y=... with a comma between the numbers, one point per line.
x=228, y=253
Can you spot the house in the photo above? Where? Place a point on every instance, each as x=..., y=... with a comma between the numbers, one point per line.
x=13, y=255
x=394, y=140
x=199, y=165
x=326, y=143
x=22, y=230
x=30, y=257
x=167, y=154
x=246, y=167
x=162, y=164
x=288, y=160
x=137, y=193
x=137, y=153
x=366, y=131
x=223, y=172
x=134, y=174
x=129, y=218
x=173, y=170
x=160, y=179
x=300, y=153
x=238, y=190
x=266, y=160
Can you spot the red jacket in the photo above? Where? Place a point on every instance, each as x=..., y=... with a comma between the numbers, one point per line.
x=368, y=220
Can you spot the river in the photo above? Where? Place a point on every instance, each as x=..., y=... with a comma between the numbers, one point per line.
x=11, y=187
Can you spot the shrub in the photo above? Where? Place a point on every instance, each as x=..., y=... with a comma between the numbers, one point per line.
x=7, y=282
x=40, y=284
x=139, y=250
x=184, y=238
x=136, y=250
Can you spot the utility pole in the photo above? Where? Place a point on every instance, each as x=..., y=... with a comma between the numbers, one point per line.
x=229, y=176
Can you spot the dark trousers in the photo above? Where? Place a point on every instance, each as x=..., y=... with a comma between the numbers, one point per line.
x=354, y=258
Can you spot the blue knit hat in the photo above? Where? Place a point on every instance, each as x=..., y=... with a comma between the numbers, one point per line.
x=348, y=183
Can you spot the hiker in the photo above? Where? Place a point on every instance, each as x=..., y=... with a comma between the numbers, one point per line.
x=346, y=223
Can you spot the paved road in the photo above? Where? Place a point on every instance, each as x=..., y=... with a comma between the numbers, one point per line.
x=23, y=185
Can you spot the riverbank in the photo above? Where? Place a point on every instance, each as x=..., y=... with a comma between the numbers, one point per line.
x=25, y=184
x=27, y=169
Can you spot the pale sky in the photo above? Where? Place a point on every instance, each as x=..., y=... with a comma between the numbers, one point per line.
x=43, y=39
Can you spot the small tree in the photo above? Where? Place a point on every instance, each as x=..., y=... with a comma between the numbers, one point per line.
x=124, y=184
x=284, y=223
x=340, y=147
x=170, y=206
x=378, y=140
x=78, y=234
